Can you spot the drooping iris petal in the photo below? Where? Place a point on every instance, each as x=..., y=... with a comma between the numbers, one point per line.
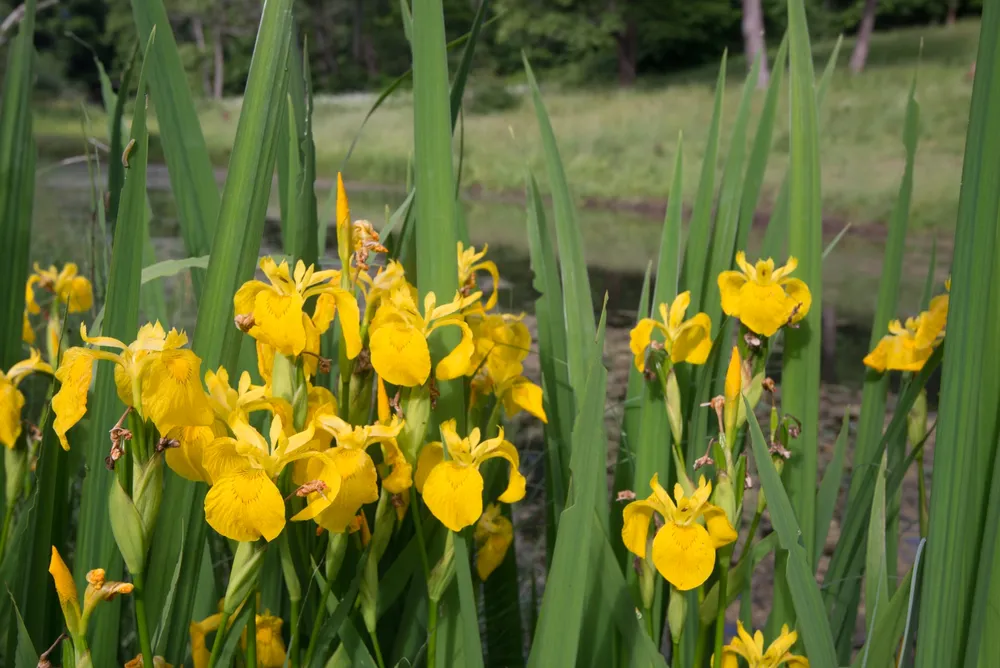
x=639, y=339
x=400, y=478
x=323, y=468
x=431, y=455
x=730, y=284
x=456, y=363
x=635, y=526
x=524, y=395
x=683, y=555
x=359, y=485
x=11, y=403
x=278, y=321
x=693, y=341
x=187, y=459
x=172, y=393
x=506, y=450
x=400, y=355
x=494, y=535
x=764, y=308
x=454, y=494
x=270, y=645
x=717, y=524
x=70, y=403
x=245, y=506
x=798, y=293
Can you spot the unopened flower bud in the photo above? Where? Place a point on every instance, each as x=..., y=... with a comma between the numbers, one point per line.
x=676, y=613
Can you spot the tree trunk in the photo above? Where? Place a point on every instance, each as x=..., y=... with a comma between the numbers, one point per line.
x=198, y=28
x=357, y=43
x=627, y=42
x=860, y=55
x=753, y=39
x=219, y=62
x=952, y=12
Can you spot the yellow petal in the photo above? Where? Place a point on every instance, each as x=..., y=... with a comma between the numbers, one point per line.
x=400, y=478
x=187, y=460
x=63, y=579
x=359, y=485
x=635, y=526
x=799, y=293
x=734, y=376
x=932, y=322
x=524, y=395
x=498, y=447
x=78, y=295
x=243, y=300
x=245, y=506
x=400, y=355
x=11, y=403
x=677, y=310
x=383, y=401
x=431, y=455
x=639, y=339
x=323, y=468
x=70, y=403
x=278, y=321
x=172, y=394
x=27, y=332
x=683, y=555
x=456, y=363
x=270, y=645
x=779, y=648
x=454, y=494
x=719, y=529
x=693, y=340
x=493, y=539
x=730, y=283
x=764, y=308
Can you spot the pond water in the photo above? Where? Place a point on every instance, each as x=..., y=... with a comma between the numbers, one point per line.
x=618, y=245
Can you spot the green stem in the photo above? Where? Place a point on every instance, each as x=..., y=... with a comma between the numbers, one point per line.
x=142, y=626
x=378, y=650
x=921, y=491
x=317, y=622
x=293, y=642
x=720, y=614
x=753, y=531
x=219, y=635
x=8, y=515
x=252, y=640
x=431, y=605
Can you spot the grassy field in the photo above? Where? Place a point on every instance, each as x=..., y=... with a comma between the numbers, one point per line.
x=619, y=144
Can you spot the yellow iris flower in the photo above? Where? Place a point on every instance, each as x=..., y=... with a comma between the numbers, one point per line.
x=244, y=504
x=494, y=535
x=453, y=489
x=683, y=549
x=502, y=342
x=11, y=399
x=273, y=313
x=908, y=347
x=684, y=340
x=469, y=263
x=68, y=287
x=509, y=386
x=27, y=331
x=356, y=470
x=751, y=649
x=229, y=406
x=270, y=645
x=158, y=662
x=399, y=351
x=762, y=297
x=153, y=374
x=98, y=589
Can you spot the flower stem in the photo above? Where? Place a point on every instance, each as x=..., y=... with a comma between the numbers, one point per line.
x=431, y=605
x=8, y=515
x=378, y=650
x=217, y=644
x=142, y=626
x=252, y=641
x=720, y=614
x=293, y=642
x=921, y=494
x=327, y=586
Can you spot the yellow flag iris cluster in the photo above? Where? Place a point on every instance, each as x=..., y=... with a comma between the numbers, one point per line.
x=908, y=346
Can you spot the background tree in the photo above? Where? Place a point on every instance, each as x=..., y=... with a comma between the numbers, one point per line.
x=753, y=38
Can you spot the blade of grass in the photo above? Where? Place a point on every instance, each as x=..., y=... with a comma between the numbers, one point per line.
x=883, y=637
x=876, y=568
x=812, y=623
x=237, y=243
x=469, y=621
x=465, y=65
x=560, y=622
x=700, y=229
x=27, y=656
x=829, y=488
x=801, y=364
x=192, y=178
x=578, y=304
x=552, y=351
x=959, y=502
x=96, y=546
x=436, y=233
x=17, y=184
